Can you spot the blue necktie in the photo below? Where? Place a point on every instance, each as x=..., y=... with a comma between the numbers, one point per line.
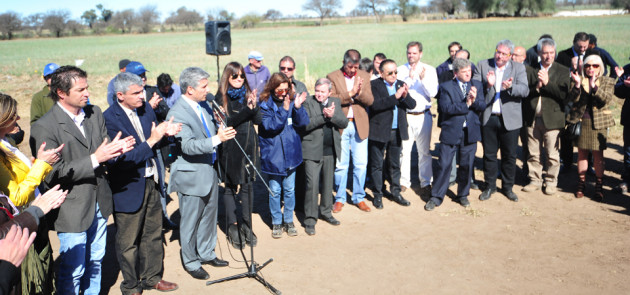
x=205, y=126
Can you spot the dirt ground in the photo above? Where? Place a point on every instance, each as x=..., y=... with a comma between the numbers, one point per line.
x=539, y=245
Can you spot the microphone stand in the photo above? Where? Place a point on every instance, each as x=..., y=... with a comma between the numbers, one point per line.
x=252, y=266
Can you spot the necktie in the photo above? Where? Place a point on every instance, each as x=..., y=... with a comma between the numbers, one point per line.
x=205, y=126
x=150, y=169
x=464, y=86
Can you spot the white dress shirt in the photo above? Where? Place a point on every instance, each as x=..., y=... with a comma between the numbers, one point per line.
x=78, y=121
x=422, y=90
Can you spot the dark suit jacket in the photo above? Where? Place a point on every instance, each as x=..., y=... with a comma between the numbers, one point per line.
x=510, y=98
x=553, y=96
x=382, y=111
x=313, y=134
x=564, y=57
x=623, y=92
x=162, y=109
x=361, y=102
x=74, y=171
x=454, y=111
x=126, y=173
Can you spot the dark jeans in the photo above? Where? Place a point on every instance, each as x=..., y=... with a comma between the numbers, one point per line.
x=626, y=155
x=495, y=137
x=377, y=149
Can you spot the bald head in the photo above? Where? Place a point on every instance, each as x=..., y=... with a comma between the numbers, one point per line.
x=519, y=54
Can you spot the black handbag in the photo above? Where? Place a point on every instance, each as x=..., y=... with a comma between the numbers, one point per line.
x=573, y=130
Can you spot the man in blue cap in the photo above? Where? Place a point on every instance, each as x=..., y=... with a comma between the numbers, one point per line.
x=41, y=102
x=257, y=74
x=111, y=93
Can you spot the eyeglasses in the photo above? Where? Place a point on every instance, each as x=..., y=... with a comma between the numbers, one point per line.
x=234, y=76
x=286, y=69
x=594, y=66
x=391, y=73
x=282, y=92
x=502, y=53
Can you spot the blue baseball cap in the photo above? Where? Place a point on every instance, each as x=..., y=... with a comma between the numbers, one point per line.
x=50, y=68
x=135, y=67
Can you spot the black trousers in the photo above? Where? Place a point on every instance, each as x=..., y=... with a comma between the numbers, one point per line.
x=380, y=152
x=139, y=242
x=464, y=170
x=495, y=137
x=230, y=198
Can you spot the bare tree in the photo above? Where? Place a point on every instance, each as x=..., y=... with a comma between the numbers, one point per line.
x=405, y=8
x=124, y=20
x=447, y=6
x=272, y=15
x=35, y=22
x=74, y=27
x=55, y=21
x=372, y=5
x=183, y=16
x=148, y=17
x=10, y=22
x=324, y=8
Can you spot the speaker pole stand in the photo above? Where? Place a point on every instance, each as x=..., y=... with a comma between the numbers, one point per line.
x=218, y=73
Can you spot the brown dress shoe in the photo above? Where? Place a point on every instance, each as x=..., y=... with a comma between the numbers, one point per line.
x=337, y=207
x=164, y=286
x=403, y=188
x=363, y=206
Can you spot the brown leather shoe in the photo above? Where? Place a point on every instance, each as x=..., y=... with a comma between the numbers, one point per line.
x=363, y=206
x=403, y=188
x=164, y=286
x=337, y=207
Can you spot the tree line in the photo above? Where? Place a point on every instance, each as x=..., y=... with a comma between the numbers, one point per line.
x=101, y=20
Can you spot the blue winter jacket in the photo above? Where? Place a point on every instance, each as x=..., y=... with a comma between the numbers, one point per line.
x=280, y=145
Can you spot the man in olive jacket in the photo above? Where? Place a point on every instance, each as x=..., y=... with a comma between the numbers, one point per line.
x=543, y=115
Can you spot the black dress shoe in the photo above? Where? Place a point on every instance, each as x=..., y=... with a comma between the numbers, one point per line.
x=429, y=205
x=487, y=193
x=511, y=195
x=474, y=186
x=216, y=262
x=401, y=201
x=310, y=230
x=464, y=202
x=330, y=219
x=200, y=274
x=378, y=202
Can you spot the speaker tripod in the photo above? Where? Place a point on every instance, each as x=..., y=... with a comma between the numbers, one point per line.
x=252, y=266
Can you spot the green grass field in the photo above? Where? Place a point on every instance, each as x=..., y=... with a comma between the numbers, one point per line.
x=317, y=50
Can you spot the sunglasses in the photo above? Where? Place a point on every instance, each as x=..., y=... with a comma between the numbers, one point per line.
x=235, y=76
x=594, y=66
x=286, y=69
x=391, y=73
x=282, y=92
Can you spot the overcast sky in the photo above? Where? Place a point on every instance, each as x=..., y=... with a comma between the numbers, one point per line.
x=239, y=7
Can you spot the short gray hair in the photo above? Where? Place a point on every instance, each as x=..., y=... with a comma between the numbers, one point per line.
x=545, y=42
x=460, y=63
x=124, y=80
x=191, y=77
x=506, y=43
x=323, y=81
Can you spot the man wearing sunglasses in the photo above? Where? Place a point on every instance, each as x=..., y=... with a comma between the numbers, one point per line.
x=287, y=67
x=504, y=86
x=257, y=74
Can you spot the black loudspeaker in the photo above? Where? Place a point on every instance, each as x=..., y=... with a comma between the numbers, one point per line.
x=218, y=40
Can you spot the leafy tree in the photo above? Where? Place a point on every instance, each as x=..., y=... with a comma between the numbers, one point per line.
x=405, y=8
x=249, y=20
x=447, y=6
x=272, y=15
x=106, y=14
x=124, y=20
x=480, y=7
x=625, y=4
x=183, y=16
x=226, y=15
x=10, y=22
x=323, y=8
x=372, y=5
x=74, y=27
x=89, y=17
x=148, y=17
x=55, y=21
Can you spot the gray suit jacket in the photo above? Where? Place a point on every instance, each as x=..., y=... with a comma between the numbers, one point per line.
x=74, y=171
x=511, y=98
x=192, y=173
x=313, y=133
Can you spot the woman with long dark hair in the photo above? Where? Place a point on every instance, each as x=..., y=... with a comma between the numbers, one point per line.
x=281, y=148
x=242, y=113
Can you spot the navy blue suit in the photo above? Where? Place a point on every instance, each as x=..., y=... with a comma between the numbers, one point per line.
x=454, y=112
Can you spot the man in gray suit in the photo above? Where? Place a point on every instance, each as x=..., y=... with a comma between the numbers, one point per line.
x=505, y=85
x=193, y=175
x=320, y=147
x=81, y=221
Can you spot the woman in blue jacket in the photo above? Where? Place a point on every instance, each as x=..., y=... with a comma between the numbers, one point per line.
x=281, y=148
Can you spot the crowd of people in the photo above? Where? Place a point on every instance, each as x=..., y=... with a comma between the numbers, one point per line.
x=365, y=117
